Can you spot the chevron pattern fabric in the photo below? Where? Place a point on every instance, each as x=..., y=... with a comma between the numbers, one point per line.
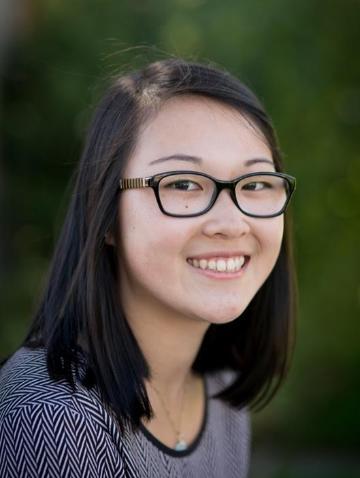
x=48, y=430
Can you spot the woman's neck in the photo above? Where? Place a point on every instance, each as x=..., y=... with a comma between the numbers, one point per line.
x=170, y=345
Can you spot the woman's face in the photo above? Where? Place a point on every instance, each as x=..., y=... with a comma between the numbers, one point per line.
x=158, y=253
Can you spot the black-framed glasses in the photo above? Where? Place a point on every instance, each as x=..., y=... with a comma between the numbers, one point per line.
x=191, y=193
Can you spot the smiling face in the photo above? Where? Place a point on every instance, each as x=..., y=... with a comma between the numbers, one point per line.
x=175, y=267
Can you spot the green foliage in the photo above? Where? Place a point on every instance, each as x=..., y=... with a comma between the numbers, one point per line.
x=300, y=57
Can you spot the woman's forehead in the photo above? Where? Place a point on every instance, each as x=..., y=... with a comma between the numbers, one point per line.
x=201, y=127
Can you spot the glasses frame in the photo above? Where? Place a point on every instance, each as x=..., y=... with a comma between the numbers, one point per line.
x=154, y=181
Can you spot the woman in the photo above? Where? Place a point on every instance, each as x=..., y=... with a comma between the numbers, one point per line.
x=169, y=306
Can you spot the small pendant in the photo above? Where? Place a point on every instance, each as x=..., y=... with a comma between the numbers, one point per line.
x=180, y=445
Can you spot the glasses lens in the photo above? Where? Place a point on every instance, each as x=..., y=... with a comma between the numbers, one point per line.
x=185, y=194
x=262, y=195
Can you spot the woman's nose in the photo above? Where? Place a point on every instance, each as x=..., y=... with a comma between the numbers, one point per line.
x=225, y=218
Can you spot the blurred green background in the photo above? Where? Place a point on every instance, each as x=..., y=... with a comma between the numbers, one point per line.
x=301, y=57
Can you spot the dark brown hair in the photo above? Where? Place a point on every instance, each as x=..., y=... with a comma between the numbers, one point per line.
x=80, y=307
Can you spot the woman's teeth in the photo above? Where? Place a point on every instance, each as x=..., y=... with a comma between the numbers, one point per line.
x=233, y=264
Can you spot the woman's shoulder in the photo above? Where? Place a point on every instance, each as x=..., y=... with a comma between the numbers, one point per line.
x=26, y=390
x=25, y=382
x=51, y=422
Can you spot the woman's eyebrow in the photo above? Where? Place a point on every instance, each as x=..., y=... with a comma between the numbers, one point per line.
x=197, y=160
x=250, y=162
x=181, y=157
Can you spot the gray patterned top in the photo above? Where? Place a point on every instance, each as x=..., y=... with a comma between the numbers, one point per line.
x=47, y=430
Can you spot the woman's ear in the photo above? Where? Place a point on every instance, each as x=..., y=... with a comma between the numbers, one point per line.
x=109, y=239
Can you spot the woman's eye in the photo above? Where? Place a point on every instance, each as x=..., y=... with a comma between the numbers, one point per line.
x=184, y=185
x=257, y=186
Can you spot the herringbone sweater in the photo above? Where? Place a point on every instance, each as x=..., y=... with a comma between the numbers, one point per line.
x=47, y=430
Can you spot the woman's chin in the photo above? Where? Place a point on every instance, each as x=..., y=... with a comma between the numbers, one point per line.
x=224, y=315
